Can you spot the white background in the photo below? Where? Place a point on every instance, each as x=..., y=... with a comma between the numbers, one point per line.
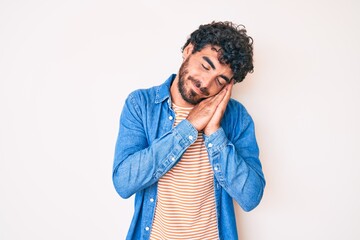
x=66, y=68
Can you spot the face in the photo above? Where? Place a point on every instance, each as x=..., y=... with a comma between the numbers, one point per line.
x=202, y=75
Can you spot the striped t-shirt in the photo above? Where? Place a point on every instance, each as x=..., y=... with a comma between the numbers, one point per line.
x=185, y=207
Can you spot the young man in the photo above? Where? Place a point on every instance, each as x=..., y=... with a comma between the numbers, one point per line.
x=186, y=149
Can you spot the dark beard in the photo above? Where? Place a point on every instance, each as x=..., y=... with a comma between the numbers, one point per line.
x=189, y=96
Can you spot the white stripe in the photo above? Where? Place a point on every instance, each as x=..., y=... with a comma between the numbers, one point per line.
x=186, y=204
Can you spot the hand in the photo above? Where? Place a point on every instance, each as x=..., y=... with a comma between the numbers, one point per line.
x=202, y=113
x=214, y=123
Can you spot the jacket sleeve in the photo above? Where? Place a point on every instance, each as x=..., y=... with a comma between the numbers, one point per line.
x=138, y=164
x=236, y=163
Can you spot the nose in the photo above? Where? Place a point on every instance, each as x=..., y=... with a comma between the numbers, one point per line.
x=204, y=86
x=208, y=81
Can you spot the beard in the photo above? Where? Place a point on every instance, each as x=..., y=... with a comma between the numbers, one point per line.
x=189, y=95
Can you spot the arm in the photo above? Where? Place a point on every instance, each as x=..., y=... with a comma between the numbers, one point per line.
x=236, y=163
x=138, y=164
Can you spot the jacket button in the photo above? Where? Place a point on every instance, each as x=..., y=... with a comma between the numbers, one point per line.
x=170, y=117
x=151, y=200
x=147, y=228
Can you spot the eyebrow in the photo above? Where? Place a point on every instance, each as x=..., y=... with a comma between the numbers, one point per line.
x=225, y=78
x=213, y=67
x=209, y=62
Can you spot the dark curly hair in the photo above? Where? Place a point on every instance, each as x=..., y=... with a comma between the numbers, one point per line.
x=236, y=47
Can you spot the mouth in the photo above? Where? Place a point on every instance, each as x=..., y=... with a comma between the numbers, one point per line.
x=197, y=91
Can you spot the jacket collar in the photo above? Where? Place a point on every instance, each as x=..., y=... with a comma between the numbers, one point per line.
x=163, y=91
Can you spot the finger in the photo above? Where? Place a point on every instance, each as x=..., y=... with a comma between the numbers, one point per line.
x=220, y=96
x=216, y=99
x=222, y=105
x=229, y=90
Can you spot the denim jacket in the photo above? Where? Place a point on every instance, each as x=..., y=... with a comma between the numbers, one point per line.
x=148, y=146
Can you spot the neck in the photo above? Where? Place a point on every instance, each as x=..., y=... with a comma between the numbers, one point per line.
x=176, y=97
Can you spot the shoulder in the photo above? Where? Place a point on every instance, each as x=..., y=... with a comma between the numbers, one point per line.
x=236, y=108
x=155, y=94
x=236, y=117
x=143, y=95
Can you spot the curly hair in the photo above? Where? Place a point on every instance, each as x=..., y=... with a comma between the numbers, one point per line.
x=236, y=47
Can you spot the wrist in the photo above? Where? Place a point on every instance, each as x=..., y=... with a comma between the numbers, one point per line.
x=210, y=130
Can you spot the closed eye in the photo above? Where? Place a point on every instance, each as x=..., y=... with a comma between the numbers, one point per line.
x=207, y=68
x=221, y=81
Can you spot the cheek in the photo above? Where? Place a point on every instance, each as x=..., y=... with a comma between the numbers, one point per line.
x=215, y=92
x=216, y=89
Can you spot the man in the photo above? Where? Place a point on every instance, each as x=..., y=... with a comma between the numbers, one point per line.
x=186, y=149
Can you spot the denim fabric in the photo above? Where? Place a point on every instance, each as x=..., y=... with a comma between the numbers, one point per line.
x=148, y=146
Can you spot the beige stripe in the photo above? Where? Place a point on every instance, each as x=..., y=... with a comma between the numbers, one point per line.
x=186, y=204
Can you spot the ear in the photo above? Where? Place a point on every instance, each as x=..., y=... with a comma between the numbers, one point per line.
x=188, y=50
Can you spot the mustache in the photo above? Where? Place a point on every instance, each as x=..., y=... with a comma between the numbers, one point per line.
x=197, y=83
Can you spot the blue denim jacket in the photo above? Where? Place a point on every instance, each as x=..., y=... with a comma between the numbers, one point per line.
x=148, y=146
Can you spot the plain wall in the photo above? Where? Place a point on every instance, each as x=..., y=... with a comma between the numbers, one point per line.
x=66, y=68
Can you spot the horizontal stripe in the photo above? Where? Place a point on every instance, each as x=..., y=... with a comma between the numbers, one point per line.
x=185, y=207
